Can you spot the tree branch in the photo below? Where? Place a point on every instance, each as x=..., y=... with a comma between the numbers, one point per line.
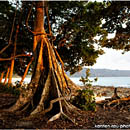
x=10, y=33
x=17, y=56
x=34, y=33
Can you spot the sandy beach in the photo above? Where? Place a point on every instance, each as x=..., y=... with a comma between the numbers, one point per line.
x=103, y=92
x=108, y=91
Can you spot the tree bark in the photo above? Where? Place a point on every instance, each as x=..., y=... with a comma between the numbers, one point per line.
x=38, y=59
x=14, y=53
x=6, y=75
x=26, y=71
x=11, y=71
x=1, y=77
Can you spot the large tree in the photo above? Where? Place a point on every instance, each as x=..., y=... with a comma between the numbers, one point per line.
x=71, y=31
x=49, y=83
x=74, y=31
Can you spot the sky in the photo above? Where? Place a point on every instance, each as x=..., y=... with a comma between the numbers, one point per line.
x=113, y=59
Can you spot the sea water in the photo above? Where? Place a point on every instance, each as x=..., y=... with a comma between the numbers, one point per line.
x=102, y=81
x=107, y=81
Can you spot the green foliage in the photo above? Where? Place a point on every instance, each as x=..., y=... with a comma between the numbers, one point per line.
x=75, y=26
x=85, y=100
x=86, y=81
x=80, y=24
x=9, y=89
x=24, y=39
x=117, y=20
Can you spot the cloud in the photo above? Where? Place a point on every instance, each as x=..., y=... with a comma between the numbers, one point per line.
x=113, y=59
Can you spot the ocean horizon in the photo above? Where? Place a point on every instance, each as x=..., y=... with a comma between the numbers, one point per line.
x=106, y=81
x=102, y=81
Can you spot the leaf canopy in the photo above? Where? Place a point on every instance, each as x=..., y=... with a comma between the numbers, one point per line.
x=75, y=26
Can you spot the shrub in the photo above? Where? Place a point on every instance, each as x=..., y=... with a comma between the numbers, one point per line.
x=86, y=81
x=85, y=100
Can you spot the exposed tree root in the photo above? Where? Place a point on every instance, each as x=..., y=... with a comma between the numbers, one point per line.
x=57, y=116
x=44, y=95
x=114, y=102
x=56, y=80
x=61, y=113
x=61, y=109
x=119, y=101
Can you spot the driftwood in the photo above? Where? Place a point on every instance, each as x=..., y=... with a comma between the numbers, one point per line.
x=115, y=96
x=114, y=102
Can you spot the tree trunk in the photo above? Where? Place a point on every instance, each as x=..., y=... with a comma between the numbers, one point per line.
x=49, y=83
x=12, y=61
x=26, y=71
x=6, y=75
x=11, y=71
x=1, y=77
